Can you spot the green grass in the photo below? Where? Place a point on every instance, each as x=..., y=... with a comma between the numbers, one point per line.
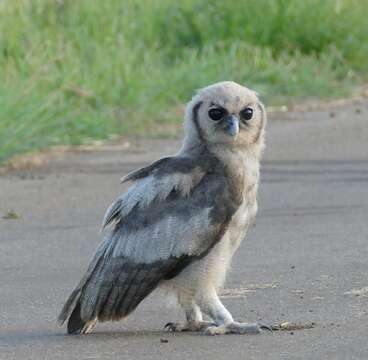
x=76, y=70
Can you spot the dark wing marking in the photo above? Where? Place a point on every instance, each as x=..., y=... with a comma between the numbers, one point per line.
x=145, y=171
x=155, y=183
x=162, y=167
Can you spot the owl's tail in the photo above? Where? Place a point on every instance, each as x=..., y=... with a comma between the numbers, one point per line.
x=72, y=312
x=72, y=308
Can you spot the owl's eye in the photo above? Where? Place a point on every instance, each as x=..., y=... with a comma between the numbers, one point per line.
x=246, y=114
x=216, y=114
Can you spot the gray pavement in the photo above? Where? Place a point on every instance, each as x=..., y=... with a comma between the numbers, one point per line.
x=306, y=260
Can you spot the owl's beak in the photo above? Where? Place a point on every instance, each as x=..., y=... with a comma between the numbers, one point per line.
x=231, y=125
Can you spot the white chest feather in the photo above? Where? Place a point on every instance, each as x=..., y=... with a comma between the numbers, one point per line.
x=245, y=214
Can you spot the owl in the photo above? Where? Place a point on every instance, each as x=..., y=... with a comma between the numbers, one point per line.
x=181, y=220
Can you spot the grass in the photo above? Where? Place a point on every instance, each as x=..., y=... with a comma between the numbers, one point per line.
x=72, y=71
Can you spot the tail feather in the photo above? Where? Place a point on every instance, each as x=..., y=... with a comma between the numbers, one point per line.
x=75, y=322
x=69, y=306
x=76, y=325
x=73, y=304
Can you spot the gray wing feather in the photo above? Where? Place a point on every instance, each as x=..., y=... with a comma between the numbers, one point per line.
x=141, y=194
x=155, y=183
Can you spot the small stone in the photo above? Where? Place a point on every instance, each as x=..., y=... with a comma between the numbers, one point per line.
x=284, y=325
x=164, y=341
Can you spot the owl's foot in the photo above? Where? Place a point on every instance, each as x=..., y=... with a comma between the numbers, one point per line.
x=189, y=326
x=236, y=328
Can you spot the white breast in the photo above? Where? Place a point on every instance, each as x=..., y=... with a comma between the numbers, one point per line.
x=246, y=213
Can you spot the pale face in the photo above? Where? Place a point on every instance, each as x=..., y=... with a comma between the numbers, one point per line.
x=230, y=114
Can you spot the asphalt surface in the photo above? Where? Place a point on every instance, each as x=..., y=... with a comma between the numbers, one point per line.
x=306, y=260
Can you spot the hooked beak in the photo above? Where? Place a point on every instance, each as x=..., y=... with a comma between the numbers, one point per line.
x=231, y=125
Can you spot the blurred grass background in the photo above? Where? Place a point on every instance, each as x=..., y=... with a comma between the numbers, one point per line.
x=76, y=70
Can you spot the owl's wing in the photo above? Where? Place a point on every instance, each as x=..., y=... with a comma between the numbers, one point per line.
x=153, y=184
x=173, y=214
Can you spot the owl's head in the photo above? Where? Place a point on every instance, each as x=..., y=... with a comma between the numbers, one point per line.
x=225, y=113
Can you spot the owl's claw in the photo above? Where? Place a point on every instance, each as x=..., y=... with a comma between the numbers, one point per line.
x=171, y=326
x=265, y=327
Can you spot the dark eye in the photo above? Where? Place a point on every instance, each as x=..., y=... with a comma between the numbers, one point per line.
x=216, y=114
x=247, y=113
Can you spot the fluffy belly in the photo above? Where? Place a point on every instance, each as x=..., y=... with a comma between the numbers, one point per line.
x=240, y=223
x=211, y=270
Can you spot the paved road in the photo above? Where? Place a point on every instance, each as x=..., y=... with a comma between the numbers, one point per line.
x=305, y=261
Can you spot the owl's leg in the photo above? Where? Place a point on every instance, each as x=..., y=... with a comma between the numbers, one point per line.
x=211, y=305
x=194, y=320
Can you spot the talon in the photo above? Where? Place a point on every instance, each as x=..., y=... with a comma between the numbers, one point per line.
x=170, y=326
x=211, y=331
x=266, y=327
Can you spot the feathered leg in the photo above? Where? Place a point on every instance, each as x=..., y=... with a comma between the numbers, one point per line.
x=211, y=305
x=193, y=314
